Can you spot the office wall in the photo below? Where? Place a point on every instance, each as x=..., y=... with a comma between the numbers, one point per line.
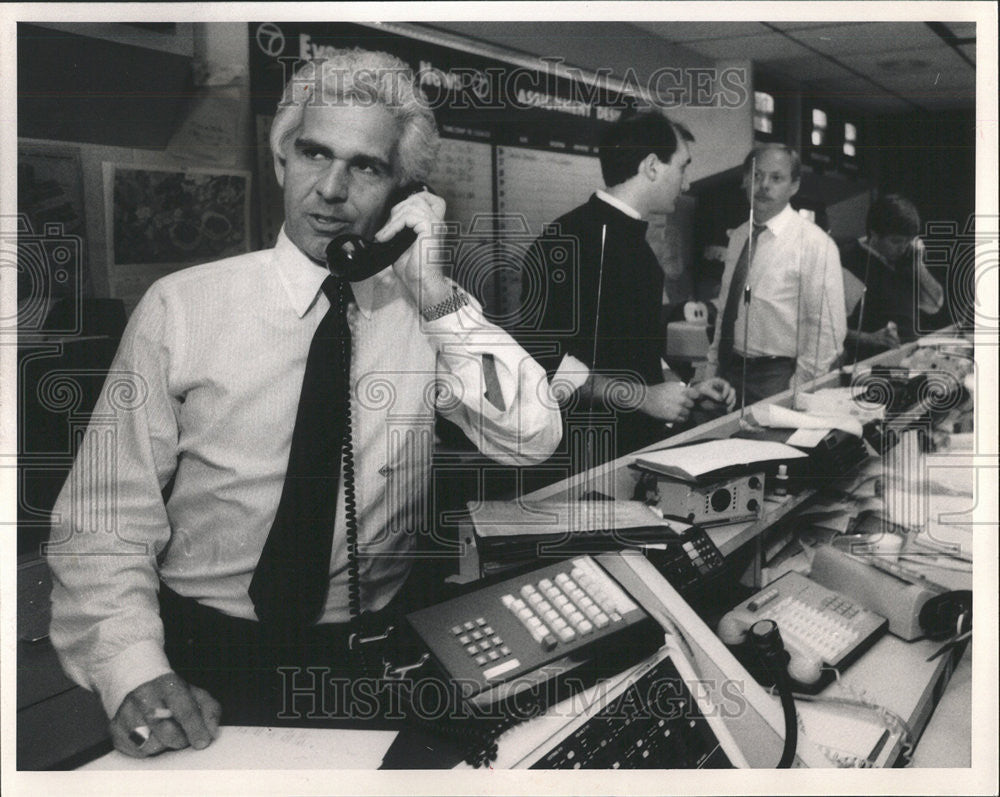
x=203, y=44
x=724, y=135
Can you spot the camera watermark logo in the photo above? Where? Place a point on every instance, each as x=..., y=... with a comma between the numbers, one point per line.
x=969, y=257
x=46, y=266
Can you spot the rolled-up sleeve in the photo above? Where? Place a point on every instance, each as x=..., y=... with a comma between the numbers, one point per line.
x=823, y=320
x=476, y=361
x=110, y=523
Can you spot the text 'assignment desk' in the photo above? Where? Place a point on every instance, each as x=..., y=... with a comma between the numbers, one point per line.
x=61, y=726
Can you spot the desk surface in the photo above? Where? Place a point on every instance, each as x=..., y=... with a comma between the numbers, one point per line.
x=876, y=673
x=58, y=722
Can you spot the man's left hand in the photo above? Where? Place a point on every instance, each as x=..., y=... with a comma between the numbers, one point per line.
x=716, y=391
x=426, y=281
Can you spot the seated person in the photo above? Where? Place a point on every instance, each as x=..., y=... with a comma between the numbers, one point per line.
x=886, y=282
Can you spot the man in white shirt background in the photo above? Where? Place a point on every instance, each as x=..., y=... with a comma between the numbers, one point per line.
x=162, y=600
x=781, y=314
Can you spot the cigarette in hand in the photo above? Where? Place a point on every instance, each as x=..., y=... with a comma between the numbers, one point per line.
x=139, y=735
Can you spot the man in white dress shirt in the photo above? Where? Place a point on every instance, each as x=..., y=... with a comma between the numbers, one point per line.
x=163, y=519
x=792, y=328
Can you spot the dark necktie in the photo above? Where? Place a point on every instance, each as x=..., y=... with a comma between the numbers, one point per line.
x=727, y=325
x=290, y=582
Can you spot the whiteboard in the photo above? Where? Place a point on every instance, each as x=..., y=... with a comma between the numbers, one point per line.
x=534, y=188
x=463, y=177
x=539, y=186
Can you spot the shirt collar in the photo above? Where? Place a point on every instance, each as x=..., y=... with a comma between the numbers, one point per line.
x=302, y=278
x=615, y=202
x=779, y=223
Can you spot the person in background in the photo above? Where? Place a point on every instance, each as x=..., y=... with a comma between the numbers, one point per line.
x=781, y=314
x=594, y=320
x=206, y=542
x=886, y=283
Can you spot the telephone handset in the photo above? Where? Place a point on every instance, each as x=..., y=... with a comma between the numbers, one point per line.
x=351, y=257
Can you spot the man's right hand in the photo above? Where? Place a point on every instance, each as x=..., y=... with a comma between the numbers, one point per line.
x=669, y=401
x=166, y=713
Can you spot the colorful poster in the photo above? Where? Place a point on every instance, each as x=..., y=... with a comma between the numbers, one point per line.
x=159, y=220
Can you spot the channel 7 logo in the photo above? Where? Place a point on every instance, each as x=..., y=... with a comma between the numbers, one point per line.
x=968, y=260
x=495, y=260
x=48, y=265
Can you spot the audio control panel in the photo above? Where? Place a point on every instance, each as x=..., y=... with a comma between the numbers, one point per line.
x=724, y=501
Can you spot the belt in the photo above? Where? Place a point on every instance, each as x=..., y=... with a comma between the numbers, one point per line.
x=176, y=607
x=760, y=358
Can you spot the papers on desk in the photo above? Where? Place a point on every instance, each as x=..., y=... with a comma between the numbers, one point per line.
x=557, y=518
x=775, y=417
x=715, y=458
x=241, y=747
x=844, y=736
x=839, y=402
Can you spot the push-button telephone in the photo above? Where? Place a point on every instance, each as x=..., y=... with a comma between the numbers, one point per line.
x=517, y=633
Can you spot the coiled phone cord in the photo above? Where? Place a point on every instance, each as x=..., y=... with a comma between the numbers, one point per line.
x=347, y=465
x=476, y=738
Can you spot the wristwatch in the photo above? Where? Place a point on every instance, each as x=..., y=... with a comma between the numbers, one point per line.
x=450, y=305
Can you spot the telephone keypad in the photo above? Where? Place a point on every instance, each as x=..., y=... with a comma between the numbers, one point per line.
x=564, y=607
x=481, y=641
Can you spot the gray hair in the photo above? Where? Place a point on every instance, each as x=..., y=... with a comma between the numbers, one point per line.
x=364, y=77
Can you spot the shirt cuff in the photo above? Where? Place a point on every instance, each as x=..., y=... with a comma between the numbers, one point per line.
x=134, y=666
x=571, y=374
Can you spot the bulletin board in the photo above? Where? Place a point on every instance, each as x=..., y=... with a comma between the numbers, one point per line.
x=519, y=140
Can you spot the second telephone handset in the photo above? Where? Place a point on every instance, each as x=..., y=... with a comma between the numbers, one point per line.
x=351, y=257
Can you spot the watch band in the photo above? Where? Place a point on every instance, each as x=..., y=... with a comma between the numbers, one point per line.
x=450, y=305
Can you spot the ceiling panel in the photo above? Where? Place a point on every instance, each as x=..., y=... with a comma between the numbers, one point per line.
x=681, y=32
x=826, y=23
x=964, y=30
x=842, y=40
x=833, y=56
x=940, y=64
x=761, y=48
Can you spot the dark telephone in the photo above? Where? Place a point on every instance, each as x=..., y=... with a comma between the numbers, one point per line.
x=351, y=257
x=527, y=629
x=512, y=649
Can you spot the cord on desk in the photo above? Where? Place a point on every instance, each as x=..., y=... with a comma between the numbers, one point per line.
x=841, y=759
x=927, y=562
x=890, y=720
x=675, y=631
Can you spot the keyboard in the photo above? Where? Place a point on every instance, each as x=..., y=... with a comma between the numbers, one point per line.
x=653, y=724
x=813, y=620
